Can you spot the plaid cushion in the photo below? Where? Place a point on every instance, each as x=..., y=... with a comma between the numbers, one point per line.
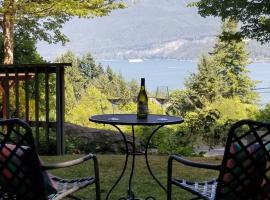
x=244, y=171
x=14, y=160
x=20, y=173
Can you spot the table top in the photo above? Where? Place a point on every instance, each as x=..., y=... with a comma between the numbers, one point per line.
x=131, y=119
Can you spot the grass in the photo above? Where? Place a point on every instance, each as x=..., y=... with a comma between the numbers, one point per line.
x=142, y=184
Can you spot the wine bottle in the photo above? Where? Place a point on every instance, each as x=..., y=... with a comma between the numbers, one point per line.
x=142, y=102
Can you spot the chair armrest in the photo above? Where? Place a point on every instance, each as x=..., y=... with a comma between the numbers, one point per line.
x=69, y=163
x=192, y=163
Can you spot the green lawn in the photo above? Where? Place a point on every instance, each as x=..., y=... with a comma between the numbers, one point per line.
x=143, y=184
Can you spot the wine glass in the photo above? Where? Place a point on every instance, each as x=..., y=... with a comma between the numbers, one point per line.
x=114, y=99
x=162, y=96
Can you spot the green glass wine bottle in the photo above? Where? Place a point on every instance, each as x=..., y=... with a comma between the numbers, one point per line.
x=142, y=102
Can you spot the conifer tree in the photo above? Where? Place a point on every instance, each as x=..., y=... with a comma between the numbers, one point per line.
x=205, y=85
x=231, y=58
x=223, y=73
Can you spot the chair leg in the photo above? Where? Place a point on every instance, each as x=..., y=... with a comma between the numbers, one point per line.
x=97, y=182
x=169, y=178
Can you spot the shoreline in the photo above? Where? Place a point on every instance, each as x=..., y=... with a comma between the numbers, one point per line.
x=168, y=59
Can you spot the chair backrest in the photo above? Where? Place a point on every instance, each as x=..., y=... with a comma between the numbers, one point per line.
x=245, y=171
x=20, y=171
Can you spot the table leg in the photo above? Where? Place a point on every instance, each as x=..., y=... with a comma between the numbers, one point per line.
x=146, y=158
x=130, y=192
x=125, y=165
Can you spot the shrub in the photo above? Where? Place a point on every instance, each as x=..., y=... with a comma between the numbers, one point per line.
x=218, y=117
x=264, y=113
x=170, y=139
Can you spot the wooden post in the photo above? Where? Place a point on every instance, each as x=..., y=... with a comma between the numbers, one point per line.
x=60, y=109
x=37, y=99
x=6, y=96
x=26, y=95
x=47, y=108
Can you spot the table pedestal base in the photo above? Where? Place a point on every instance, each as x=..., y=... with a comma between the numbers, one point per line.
x=134, y=153
x=131, y=196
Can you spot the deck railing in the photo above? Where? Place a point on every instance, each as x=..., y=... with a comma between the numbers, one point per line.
x=35, y=92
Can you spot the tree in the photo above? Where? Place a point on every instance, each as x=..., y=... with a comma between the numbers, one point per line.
x=264, y=113
x=221, y=82
x=254, y=15
x=180, y=103
x=79, y=76
x=231, y=58
x=74, y=81
x=89, y=68
x=25, y=49
x=223, y=73
x=111, y=75
x=206, y=84
x=202, y=87
x=43, y=19
x=114, y=85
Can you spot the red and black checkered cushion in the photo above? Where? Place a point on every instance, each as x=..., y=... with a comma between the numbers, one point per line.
x=245, y=171
x=245, y=167
x=20, y=173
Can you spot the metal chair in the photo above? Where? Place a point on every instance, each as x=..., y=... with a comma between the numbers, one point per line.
x=244, y=173
x=23, y=176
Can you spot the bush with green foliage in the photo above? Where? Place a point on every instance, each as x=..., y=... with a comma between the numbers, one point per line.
x=263, y=114
x=217, y=118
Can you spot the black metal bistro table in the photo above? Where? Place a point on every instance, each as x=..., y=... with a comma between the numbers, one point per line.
x=131, y=119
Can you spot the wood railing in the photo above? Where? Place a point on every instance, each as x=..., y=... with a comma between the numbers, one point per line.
x=35, y=92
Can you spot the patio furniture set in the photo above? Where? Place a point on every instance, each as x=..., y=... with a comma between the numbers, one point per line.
x=243, y=173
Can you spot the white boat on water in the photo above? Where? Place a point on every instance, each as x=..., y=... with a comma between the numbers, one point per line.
x=135, y=60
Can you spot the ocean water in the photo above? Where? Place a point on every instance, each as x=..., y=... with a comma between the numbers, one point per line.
x=172, y=73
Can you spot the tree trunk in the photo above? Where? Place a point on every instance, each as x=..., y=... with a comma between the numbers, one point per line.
x=8, y=24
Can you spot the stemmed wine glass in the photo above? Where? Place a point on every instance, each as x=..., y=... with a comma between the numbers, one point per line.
x=114, y=98
x=114, y=101
x=162, y=96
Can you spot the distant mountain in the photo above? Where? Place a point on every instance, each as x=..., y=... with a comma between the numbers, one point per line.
x=146, y=29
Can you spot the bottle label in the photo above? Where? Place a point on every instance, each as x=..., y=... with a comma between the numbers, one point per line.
x=142, y=110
